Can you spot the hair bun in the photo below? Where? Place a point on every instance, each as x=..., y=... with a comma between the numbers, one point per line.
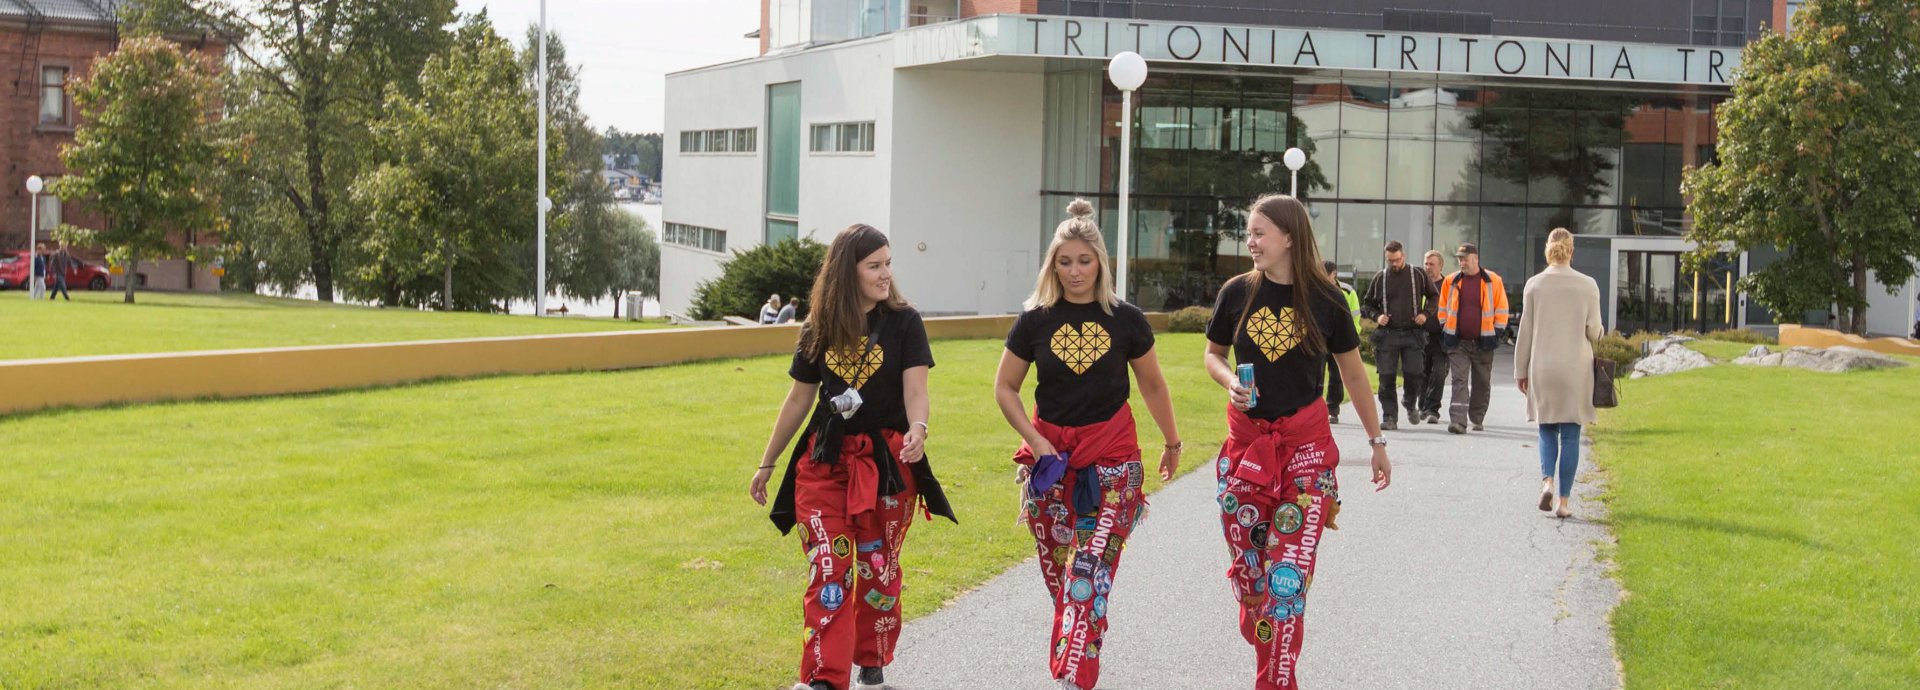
x=1080, y=208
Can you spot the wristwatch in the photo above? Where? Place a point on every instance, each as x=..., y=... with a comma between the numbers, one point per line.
x=1378, y=441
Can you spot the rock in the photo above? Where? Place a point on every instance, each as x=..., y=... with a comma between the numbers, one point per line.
x=1759, y=351
x=1832, y=360
x=1669, y=356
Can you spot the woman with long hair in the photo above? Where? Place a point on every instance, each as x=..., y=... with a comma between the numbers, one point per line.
x=1080, y=460
x=1553, y=363
x=859, y=470
x=1278, y=488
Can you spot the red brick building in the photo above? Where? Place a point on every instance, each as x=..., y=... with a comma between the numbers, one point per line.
x=46, y=46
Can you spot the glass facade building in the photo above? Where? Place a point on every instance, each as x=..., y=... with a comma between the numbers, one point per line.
x=1429, y=163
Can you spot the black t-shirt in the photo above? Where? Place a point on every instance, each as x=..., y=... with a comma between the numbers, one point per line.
x=1274, y=341
x=900, y=344
x=1082, y=354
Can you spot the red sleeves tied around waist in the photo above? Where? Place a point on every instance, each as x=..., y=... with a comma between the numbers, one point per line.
x=1109, y=443
x=1260, y=448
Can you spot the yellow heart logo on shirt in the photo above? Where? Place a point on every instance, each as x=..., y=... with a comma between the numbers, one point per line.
x=1080, y=348
x=1276, y=336
x=856, y=364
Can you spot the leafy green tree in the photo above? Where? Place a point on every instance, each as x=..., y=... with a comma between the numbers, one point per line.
x=144, y=153
x=1817, y=157
x=455, y=192
x=784, y=268
x=309, y=80
x=644, y=149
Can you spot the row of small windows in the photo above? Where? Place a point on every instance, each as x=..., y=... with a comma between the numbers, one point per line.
x=843, y=137
x=719, y=141
x=697, y=237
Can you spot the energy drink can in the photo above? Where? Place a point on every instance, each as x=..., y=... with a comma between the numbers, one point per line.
x=1246, y=381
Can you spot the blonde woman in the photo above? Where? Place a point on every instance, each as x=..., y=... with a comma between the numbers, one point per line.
x=770, y=310
x=1278, y=491
x=1553, y=364
x=1080, y=460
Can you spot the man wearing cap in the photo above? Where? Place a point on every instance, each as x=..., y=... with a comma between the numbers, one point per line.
x=1473, y=312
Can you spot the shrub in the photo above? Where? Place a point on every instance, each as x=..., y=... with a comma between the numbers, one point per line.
x=1366, y=340
x=1621, y=350
x=1189, y=320
x=785, y=269
x=1743, y=336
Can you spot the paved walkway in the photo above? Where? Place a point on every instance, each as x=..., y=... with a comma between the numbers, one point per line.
x=1449, y=579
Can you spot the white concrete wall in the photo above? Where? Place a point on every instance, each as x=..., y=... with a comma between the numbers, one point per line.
x=846, y=82
x=969, y=146
x=1890, y=314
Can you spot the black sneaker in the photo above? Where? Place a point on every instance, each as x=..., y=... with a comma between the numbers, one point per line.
x=1389, y=425
x=1456, y=428
x=1433, y=418
x=1413, y=416
x=1333, y=418
x=874, y=678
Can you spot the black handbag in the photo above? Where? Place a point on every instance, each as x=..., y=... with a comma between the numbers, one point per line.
x=1605, y=393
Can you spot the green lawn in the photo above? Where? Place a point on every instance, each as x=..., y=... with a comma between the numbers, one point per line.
x=568, y=531
x=97, y=323
x=1767, y=521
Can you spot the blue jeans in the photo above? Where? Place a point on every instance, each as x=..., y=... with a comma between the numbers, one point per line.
x=1560, y=445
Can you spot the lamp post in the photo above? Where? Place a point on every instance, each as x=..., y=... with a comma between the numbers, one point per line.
x=1128, y=71
x=1295, y=160
x=540, y=243
x=34, y=282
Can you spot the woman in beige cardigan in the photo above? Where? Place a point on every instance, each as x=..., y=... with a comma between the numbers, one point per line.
x=1554, y=363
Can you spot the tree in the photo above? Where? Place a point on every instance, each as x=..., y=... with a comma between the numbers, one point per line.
x=144, y=152
x=1818, y=157
x=309, y=84
x=454, y=192
x=641, y=150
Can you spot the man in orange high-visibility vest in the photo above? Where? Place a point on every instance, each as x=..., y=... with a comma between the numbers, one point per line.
x=1473, y=312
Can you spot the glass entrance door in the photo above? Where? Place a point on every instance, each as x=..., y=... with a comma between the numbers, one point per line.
x=1654, y=293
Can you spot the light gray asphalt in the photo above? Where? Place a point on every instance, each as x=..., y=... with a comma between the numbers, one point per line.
x=1451, y=578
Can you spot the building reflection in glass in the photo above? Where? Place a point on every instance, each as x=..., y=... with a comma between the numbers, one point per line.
x=1432, y=165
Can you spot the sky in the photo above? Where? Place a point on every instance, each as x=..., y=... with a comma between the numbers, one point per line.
x=625, y=48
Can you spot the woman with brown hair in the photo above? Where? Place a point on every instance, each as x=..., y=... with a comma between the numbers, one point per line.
x=1080, y=462
x=1278, y=488
x=859, y=470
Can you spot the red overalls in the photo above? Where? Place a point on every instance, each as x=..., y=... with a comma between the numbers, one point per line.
x=1080, y=541
x=853, y=538
x=1277, y=492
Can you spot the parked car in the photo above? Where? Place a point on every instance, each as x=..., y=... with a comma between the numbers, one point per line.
x=84, y=275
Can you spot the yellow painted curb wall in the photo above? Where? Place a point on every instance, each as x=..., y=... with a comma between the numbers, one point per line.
x=94, y=381
x=1797, y=336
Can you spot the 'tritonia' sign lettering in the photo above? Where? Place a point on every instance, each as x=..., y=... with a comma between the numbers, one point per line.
x=1216, y=44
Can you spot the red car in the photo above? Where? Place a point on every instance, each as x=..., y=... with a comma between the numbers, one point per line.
x=82, y=276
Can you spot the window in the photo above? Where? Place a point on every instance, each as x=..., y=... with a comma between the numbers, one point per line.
x=49, y=216
x=53, y=95
x=694, y=236
x=1720, y=23
x=843, y=137
x=718, y=141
